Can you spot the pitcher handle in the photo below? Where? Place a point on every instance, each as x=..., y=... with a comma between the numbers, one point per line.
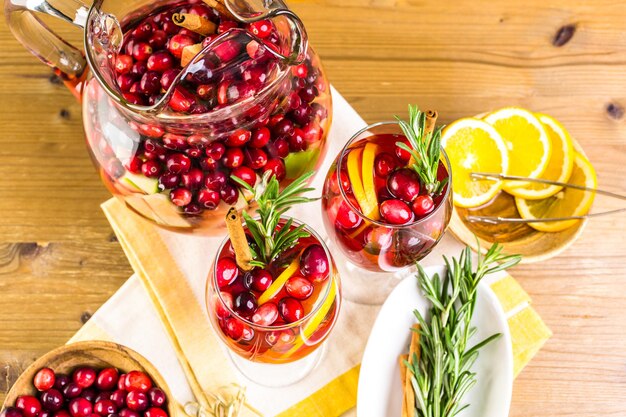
x=40, y=40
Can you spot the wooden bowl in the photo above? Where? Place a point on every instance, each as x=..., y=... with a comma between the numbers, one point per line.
x=96, y=354
x=533, y=245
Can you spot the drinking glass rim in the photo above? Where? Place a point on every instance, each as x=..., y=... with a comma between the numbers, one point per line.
x=357, y=210
x=289, y=325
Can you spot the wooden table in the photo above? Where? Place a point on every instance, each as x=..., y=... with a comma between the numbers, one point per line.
x=60, y=260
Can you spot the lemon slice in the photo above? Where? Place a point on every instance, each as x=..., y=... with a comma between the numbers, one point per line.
x=565, y=203
x=526, y=140
x=559, y=167
x=473, y=145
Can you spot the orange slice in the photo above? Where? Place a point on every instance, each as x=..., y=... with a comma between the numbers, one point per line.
x=354, y=174
x=367, y=173
x=279, y=282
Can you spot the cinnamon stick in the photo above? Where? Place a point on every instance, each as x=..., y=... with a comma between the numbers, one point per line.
x=195, y=23
x=219, y=6
x=414, y=353
x=429, y=128
x=401, y=360
x=238, y=240
x=189, y=53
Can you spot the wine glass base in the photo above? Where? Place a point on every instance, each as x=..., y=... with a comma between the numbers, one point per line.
x=277, y=375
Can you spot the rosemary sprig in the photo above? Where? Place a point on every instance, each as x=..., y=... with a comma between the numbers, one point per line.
x=425, y=149
x=270, y=239
x=442, y=375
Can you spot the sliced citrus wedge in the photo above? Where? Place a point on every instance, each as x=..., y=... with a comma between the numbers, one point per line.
x=565, y=203
x=526, y=140
x=559, y=167
x=279, y=282
x=355, y=166
x=367, y=173
x=473, y=145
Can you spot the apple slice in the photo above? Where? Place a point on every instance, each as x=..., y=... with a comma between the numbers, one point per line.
x=141, y=183
x=354, y=174
x=279, y=282
x=367, y=167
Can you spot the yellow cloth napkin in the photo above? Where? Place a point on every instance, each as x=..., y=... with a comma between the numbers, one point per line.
x=160, y=311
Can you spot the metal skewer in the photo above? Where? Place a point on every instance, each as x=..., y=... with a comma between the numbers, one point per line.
x=498, y=220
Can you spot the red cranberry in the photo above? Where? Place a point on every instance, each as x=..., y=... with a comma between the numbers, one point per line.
x=215, y=150
x=314, y=263
x=296, y=141
x=193, y=35
x=300, y=71
x=61, y=381
x=302, y=114
x=178, y=163
x=233, y=158
x=142, y=51
x=125, y=82
x=229, y=194
x=206, y=91
x=290, y=309
x=193, y=179
x=404, y=184
x=168, y=181
x=403, y=155
x=138, y=69
x=308, y=93
x=258, y=280
x=44, y=379
x=194, y=153
x=226, y=25
x=384, y=164
x=181, y=100
x=72, y=390
x=158, y=39
x=107, y=379
x=319, y=111
x=255, y=75
x=181, y=196
x=345, y=182
x=121, y=383
x=84, y=377
x=160, y=61
x=279, y=148
x=12, y=412
x=104, y=407
x=312, y=132
x=283, y=337
x=142, y=31
x=215, y=180
x=137, y=381
x=119, y=398
x=29, y=405
x=396, y=212
x=208, y=199
x=234, y=328
x=177, y=43
x=377, y=239
x=128, y=413
x=89, y=394
x=80, y=407
x=256, y=158
x=123, y=64
x=277, y=168
x=227, y=50
x=137, y=401
x=227, y=271
x=133, y=98
x=422, y=205
x=193, y=209
x=175, y=142
x=246, y=174
x=208, y=164
x=265, y=315
x=238, y=138
x=155, y=412
x=245, y=304
x=222, y=309
x=150, y=82
x=168, y=77
x=157, y=397
x=134, y=165
x=284, y=128
x=346, y=217
x=151, y=169
x=261, y=28
x=62, y=413
x=299, y=287
x=52, y=400
x=102, y=395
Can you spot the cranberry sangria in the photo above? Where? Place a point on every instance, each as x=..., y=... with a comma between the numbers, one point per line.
x=273, y=294
x=184, y=94
x=387, y=198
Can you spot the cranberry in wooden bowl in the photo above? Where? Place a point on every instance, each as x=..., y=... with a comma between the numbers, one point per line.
x=88, y=379
x=177, y=96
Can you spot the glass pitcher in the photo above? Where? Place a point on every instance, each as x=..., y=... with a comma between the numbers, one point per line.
x=180, y=96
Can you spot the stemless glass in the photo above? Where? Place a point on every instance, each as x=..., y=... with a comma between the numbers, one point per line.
x=374, y=244
x=280, y=353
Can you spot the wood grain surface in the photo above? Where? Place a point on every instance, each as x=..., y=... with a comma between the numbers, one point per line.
x=59, y=260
